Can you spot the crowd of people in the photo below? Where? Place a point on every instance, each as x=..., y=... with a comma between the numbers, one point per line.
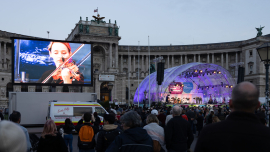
x=239, y=126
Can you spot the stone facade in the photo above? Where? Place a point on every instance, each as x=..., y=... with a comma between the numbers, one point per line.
x=109, y=58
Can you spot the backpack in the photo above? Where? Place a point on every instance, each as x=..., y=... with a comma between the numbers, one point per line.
x=109, y=136
x=86, y=135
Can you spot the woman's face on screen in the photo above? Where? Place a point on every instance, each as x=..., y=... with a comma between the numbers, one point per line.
x=59, y=51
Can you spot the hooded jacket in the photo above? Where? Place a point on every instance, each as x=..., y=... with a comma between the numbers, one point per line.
x=132, y=140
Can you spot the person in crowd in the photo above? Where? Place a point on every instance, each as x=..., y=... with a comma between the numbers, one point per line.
x=118, y=115
x=68, y=137
x=191, y=117
x=16, y=118
x=97, y=120
x=162, y=118
x=12, y=137
x=1, y=115
x=156, y=133
x=242, y=130
x=183, y=115
x=215, y=119
x=50, y=140
x=199, y=122
x=178, y=134
x=134, y=138
x=107, y=135
x=86, y=134
x=169, y=117
x=210, y=117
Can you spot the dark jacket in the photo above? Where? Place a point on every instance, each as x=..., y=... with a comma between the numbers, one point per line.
x=190, y=115
x=106, y=136
x=1, y=116
x=68, y=128
x=52, y=144
x=241, y=131
x=178, y=134
x=200, y=122
x=132, y=140
x=78, y=127
x=162, y=118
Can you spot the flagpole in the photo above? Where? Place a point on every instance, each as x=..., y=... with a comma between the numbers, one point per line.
x=97, y=10
x=149, y=92
x=138, y=70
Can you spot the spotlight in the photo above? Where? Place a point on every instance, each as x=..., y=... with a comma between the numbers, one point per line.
x=215, y=72
x=227, y=86
x=200, y=71
x=219, y=72
x=196, y=71
x=231, y=86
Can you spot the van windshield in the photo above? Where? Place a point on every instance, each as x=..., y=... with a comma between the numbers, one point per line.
x=79, y=111
x=100, y=111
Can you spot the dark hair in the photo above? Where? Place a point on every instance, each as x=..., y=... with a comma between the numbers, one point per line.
x=67, y=122
x=110, y=118
x=15, y=116
x=87, y=117
x=245, y=97
x=200, y=113
x=95, y=114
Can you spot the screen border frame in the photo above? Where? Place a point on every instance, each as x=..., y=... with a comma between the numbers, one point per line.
x=49, y=84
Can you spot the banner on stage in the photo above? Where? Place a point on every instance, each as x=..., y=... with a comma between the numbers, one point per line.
x=176, y=88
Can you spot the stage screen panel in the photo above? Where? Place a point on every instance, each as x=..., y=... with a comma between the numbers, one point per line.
x=51, y=62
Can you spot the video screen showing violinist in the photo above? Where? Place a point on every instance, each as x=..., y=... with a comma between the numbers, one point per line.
x=51, y=62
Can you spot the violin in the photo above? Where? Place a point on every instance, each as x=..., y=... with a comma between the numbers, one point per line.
x=68, y=66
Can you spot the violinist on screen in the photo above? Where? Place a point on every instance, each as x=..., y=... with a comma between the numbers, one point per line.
x=67, y=73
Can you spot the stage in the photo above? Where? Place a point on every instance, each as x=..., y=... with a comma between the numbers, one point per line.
x=197, y=105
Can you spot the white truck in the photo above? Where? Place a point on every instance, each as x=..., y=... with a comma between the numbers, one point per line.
x=33, y=106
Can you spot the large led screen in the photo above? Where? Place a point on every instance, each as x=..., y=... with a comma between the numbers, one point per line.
x=51, y=62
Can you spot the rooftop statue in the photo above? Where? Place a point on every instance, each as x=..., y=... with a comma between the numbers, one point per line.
x=259, y=31
x=98, y=18
x=152, y=68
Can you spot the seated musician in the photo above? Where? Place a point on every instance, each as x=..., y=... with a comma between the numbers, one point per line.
x=210, y=100
x=60, y=52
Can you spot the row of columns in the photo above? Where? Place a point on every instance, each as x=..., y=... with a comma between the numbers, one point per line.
x=111, y=57
x=3, y=58
x=145, y=67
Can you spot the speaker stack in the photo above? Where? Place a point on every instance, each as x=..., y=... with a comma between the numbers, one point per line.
x=160, y=72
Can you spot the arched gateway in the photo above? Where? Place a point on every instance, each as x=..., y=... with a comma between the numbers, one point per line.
x=189, y=83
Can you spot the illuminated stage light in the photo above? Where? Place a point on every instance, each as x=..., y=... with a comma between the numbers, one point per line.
x=200, y=71
x=227, y=86
x=231, y=86
x=196, y=71
x=215, y=72
x=219, y=72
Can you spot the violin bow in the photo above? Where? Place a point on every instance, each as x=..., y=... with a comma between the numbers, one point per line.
x=63, y=63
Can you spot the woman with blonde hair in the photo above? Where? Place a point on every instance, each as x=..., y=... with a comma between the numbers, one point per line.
x=215, y=119
x=50, y=140
x=156, y=132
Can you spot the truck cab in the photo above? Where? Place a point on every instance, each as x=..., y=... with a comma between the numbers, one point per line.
x=60, y=110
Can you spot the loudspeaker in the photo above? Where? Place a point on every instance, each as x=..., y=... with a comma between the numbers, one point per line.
x=241, y=74
x=160, y=73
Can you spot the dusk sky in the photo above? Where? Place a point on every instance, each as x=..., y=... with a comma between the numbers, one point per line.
x=176, y=22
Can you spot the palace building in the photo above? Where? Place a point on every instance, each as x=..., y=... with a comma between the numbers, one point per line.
x=128, y=68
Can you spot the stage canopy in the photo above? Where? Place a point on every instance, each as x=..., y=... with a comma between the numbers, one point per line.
x=195, y=79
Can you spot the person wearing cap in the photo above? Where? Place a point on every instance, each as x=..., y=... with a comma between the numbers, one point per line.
x=242, y=130
x=60, y=52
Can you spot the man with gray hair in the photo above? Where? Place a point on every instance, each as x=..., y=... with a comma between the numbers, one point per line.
x=178, y=134
x=134, y=138
x=242, y=130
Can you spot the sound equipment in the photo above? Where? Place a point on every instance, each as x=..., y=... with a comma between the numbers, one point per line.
x=241, y=74
x=160, y=72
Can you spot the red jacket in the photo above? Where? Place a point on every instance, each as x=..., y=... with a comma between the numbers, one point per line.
x=185, y=117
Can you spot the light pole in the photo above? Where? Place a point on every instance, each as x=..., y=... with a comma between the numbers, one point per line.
x=264, y=53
